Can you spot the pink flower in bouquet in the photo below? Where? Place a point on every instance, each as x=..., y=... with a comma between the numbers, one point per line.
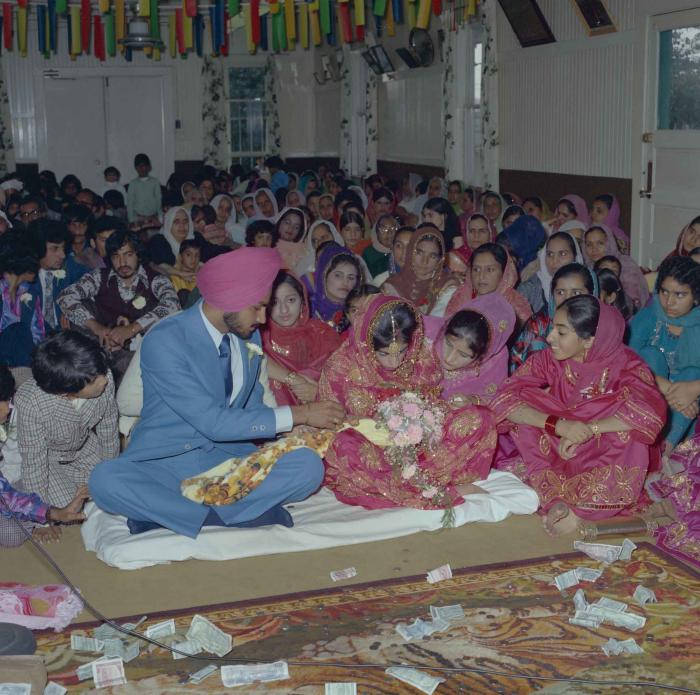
x=414, y=434
x=394, y=423
x=408, y=472
x=429, y=418
x=430, y=492
x=411, y=409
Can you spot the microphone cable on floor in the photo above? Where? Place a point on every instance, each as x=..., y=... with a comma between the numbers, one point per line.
x=353, y=668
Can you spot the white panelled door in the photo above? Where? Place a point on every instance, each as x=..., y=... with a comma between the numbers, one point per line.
x=104, y=117
x=671, y=150
x=75, y=131
x=138, y=122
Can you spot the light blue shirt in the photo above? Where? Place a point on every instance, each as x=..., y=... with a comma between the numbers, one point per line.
x=284, y=420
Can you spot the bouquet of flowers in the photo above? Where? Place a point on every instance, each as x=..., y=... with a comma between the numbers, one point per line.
x=415, y=424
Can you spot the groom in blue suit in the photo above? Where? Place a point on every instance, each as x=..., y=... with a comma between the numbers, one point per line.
x=202, y=404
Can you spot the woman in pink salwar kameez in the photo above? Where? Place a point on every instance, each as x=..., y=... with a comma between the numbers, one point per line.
x=363, y=373
x=582, y=416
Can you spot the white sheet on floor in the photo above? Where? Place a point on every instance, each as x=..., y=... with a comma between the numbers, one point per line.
x=319, y=522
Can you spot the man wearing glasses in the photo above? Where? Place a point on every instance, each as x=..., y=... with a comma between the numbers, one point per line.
x=32, y=208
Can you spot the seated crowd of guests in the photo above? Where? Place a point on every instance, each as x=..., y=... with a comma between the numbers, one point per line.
x=560, y=359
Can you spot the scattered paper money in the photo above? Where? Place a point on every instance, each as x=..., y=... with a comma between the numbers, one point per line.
x=80, y=643
x=580, y=602
x=105, y=632
x=642, y=595
x=108, y=673
x=132, y=650
x=423, y=681
x=566, y=580
x=439, y=574
x=606, y=553
x=85, y=671
x=348, y=573
x=614, y=647
x=231, y=676
x=586, y=619
x=341, y=689
x=610, y=604
x=54, y=689
x=586, y=574
x=410, y=632
x=199, y=676
x=137, y=624
x=162, y=629
x=114, y=648
x=599, y=551
x=627, y=548
x=15, y=689
x=189, y=647
x=628, y=621
x=449, y=613
x=209, y=637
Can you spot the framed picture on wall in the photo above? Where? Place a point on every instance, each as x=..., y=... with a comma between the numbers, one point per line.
x=595, y=16
x=528, y=22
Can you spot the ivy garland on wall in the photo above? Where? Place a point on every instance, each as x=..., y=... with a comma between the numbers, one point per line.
x=216, y=146
x=274, y=140
x=7, y=152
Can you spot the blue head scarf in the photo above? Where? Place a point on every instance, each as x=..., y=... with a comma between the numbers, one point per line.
x=525, y=238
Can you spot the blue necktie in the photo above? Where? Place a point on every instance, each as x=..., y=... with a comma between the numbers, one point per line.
x=225, y=361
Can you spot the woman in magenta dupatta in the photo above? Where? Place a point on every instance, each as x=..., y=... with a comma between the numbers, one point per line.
x=481, y=378
x=301, y=348
x=680, y=493
x=358, y=471
x=603, y=397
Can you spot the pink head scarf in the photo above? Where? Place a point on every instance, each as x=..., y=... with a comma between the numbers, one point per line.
x=581, y=207
x=236, y=280
x=612, y=221
x=485, y=375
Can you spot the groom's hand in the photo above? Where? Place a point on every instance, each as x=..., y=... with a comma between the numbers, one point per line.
x=325, y=415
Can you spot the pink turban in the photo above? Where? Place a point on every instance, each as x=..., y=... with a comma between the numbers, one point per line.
x=238, y=279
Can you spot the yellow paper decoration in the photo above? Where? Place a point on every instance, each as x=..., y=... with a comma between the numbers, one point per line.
x=144, y=8
x=156, y=54
x=410, y=10
x=304, y=25
x=289, y=22
x=148, y=51
x=315, y=27
x=389, y=16
x=104, y=6
x=423, y=14
x=359, y=12
x=22, y=30
x=119, y=22
x=75, y=43
x=188, y=27
x=248, y=28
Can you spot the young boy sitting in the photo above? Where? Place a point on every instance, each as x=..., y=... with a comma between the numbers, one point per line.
x=66, y=417
x=28, y=508
x=188, y=261
x=261, y=233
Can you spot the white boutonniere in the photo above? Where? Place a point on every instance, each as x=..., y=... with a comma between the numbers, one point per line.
x=25, y=298
x=138, y=302
x=59, y=274
x=254, y=349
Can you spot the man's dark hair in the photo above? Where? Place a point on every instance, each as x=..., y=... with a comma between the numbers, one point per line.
x=7, y=383
x=140, y=159
x=76, y=213
x=122, y=237
x=114, y=199
x=45, y=231
x=18, y=256
x=67, y=362
x=106, y=223
x=112, y=170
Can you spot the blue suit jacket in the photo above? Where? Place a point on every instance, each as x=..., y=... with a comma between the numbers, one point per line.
x=74, y=271
x=185, y=417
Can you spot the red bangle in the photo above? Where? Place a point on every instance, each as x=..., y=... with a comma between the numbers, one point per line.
x=550, y=425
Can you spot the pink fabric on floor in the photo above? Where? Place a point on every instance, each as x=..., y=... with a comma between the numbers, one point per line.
x=38, y=607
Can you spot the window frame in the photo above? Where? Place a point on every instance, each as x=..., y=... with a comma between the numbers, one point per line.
x=251, y=155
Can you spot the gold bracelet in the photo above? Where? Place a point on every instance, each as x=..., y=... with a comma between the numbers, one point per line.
x=289, y=379
x=596, y=431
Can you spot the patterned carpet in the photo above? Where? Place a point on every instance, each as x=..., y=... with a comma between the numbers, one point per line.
x=516, y=622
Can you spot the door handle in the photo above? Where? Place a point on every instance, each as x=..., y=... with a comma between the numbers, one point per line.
x=648, y=192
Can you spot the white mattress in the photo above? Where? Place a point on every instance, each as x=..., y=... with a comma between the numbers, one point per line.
x=319, y=522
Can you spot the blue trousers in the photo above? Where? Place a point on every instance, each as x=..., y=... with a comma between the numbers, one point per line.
x=150, y=490
x=678, y=424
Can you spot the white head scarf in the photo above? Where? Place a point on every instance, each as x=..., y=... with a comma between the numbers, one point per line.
x=6, y=218
x=258, y=212
x=165, y=230
x=360, y=194
x=544, y=275
x=235, y=231
x=309, y=263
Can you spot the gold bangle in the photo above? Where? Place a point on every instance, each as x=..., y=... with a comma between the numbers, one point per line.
x=596, y=431
x=289, y=379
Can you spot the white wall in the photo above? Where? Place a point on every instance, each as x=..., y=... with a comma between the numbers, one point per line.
x=566, y=107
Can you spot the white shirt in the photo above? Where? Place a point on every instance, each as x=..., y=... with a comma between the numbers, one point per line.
x=284, y=420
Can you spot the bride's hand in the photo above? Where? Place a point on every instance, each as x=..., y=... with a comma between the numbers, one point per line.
x=567, y=448
x=460, y=400
x=304, y=389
